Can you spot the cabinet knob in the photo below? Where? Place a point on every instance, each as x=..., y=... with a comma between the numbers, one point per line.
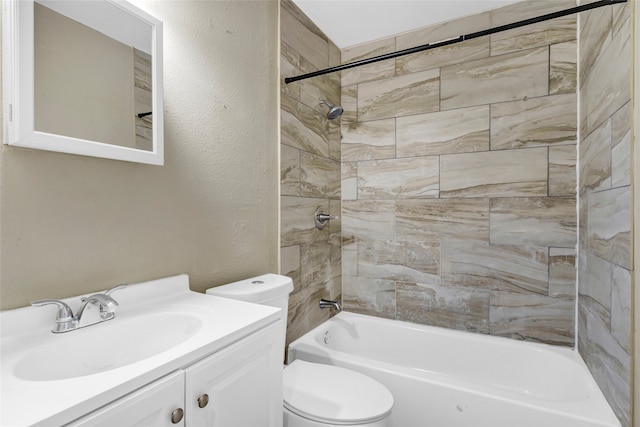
x=176, y=416
x=203, y=400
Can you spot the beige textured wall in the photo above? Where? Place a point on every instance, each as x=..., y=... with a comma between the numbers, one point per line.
x=459, y=176
x=73, y=224
x=310, y=171
x=605, y=261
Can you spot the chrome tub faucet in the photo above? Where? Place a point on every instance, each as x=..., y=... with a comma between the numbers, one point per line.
x=330, y=304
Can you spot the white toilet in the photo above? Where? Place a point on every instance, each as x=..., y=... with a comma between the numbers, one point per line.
x=315, y=395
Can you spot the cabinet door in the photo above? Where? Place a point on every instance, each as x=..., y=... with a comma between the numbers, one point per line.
x=243, y=383
x=151, y=406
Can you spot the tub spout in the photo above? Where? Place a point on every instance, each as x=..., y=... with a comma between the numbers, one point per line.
x=327, y=304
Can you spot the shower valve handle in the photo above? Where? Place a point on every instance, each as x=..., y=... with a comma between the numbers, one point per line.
x=321, y=218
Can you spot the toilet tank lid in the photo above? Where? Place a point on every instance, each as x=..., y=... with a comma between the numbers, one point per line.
x=334, y=395
x=256, y=289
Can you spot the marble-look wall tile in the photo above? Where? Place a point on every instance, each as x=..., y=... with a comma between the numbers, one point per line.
x=562, y=273
x=444, y=30
x=520, y=173
x=621, y=147
x=303, y=127
x=595, y=36
x=496, y=79
x=368, y=50
x=533, y=221
x=446, y=55
x=621, y=12
x=319, y=176
x=310, y=166
x=304, y=311
x=550, y=120
x=335, y=140
x=609, y=227
x=595, y=286
x=290, y=264
x=369, y=219
x=444, y=306
x=519, y=269
x=431, y=220
x=368, y=73
x=335, y=56
x=544, y=33
x=369, y=140
x=562, y=171
x=605, y=256
x=398, y=260
x=303, y=40
x=583, y=220
x=374, y=297
x=595, y=160
x=610, y=366
x=299, y=15
x=608, y=85
x=349, y=180
x=455, y=131
x=621, y=306
x=419, y=92
x=289, y=171
x=425, y=256
x=532, y=318
x=527, y=9
x=563, y=68
x=296, y=224
x=288, y=67
x=410, y=178
x=315, y=265
x=350, y=260
x=335, y=226
x=349, y=104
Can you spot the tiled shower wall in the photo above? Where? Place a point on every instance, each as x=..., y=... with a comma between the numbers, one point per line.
x=459, y=178
x=310, y=171
x=605, y=254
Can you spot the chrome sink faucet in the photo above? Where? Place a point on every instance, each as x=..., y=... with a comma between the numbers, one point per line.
x=65, y=319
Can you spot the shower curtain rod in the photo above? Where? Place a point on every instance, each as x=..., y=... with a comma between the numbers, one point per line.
x=459, y=39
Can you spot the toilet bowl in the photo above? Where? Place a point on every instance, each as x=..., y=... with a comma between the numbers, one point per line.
x=315, y=395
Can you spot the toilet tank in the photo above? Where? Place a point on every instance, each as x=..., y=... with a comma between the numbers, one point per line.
x=268, y=289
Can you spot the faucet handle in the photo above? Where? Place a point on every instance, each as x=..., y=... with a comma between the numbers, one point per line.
x=64, y=311
x=65, y=320
x=115, y=288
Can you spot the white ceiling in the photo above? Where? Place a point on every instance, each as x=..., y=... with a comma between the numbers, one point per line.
x=351, y=22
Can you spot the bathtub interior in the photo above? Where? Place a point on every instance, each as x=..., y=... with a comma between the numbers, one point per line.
x=530, y=369
x=549, y=385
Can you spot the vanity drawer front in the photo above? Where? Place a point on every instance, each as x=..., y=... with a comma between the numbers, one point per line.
x=151, y=406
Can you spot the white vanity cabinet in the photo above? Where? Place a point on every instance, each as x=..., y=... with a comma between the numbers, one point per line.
x=238, y=386
x=151, y=406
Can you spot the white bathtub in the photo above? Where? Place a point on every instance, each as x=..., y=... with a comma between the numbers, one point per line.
x=446, y=378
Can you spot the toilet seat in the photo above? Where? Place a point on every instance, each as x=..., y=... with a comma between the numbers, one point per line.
x=334, y=395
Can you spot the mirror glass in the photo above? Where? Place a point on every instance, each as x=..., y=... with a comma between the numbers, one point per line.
x=90, y=79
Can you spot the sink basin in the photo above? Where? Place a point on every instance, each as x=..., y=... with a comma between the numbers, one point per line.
x=107, y=346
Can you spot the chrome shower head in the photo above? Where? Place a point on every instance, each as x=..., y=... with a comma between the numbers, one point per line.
x=335, y=111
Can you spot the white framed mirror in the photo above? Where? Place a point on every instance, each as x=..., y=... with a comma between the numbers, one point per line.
x=83, y=77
